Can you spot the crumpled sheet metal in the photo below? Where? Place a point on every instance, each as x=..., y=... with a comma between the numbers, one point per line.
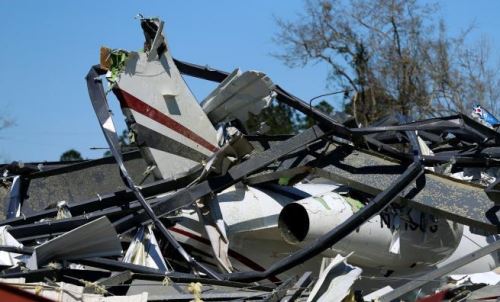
x=144, y=250
x=97, y=238
x=7, y=258
x=335, y=282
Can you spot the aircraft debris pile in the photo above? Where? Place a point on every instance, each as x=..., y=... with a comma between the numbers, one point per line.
x=206, y=210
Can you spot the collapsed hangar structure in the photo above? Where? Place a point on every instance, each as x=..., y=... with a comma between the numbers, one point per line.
x=204, y=210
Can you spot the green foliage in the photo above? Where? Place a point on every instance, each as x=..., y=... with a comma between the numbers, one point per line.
x=118, y=59
x=283, y=119
x=71, y=155
x=305, y=122
x=279, y=117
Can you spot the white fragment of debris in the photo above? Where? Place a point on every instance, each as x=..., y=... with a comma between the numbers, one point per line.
x=157, y=41
x=238, y=95
x=395, y=247
x=490, y=278
x=144, y=250
x=15, y=198
x=335, y=282
x=378, y=293
x=109, y=125
x=97, y=238
x=425, y=150
x=63, y=211
x=477, y=175
x=7, y=258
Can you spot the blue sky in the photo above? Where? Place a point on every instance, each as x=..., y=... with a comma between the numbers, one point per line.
x=48, y=47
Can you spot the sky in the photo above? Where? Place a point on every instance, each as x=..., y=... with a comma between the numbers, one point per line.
x=48, y=47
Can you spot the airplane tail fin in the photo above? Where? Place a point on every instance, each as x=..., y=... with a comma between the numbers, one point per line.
x=168, y=124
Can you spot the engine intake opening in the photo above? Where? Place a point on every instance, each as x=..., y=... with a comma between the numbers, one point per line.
x=293, y=223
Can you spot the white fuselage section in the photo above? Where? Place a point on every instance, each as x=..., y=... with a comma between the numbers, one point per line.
x=405, y=242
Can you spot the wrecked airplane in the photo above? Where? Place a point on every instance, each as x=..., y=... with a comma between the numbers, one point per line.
x=206, y=210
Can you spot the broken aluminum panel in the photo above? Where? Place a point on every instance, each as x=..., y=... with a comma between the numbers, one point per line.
x=144, y=250
x=7, y=258
x=490, y=278
x=442, y=196
x=210, y=215
x=335, y=282
x=373, y=296
x=171, y=129
x=97, y=238
x=294, y=292
x=14, y=199
x=4, y=196
x=237, y=96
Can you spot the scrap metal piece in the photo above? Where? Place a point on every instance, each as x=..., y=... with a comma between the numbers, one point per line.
x=49, y=228
x=295, y=291
x=144, y=250
x=446, y=269
x=486, y=294
x=94, y=239
x=287, y=174
x=239, y=95
x=279, y=292
x=483, y=115
x=335, y=282
x=117, y=279
x=115, y=265
x=210, y=215
x=63, y=211
x=373, y=296
x=489, y=278
x=282, y=96
x=493, y=191
x=15, y=198
x=8, y=258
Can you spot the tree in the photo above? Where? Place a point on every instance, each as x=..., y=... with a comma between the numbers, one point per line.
x=280, y=118
x=394, y=56
x=71, y=155
x=307, y=122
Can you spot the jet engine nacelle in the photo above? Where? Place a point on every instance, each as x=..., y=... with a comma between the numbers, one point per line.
x=401, y=240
